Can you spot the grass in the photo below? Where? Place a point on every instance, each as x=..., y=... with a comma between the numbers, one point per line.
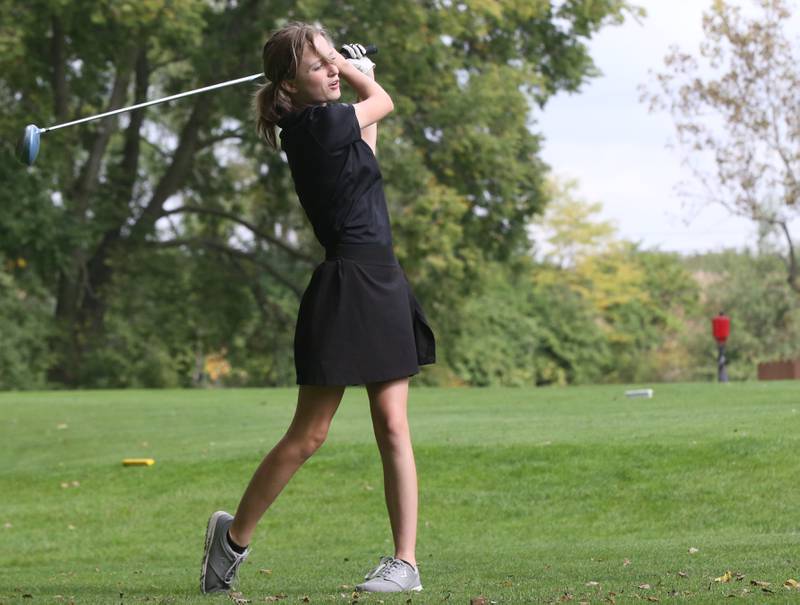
x=526, y=495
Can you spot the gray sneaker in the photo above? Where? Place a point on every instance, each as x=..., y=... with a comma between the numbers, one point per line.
x=391, y=575
x=220, y=561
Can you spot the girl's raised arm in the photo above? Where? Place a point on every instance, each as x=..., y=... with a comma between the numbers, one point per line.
x=376, y=103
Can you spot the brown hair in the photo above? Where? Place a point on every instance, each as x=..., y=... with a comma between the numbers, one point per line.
x=281, y=56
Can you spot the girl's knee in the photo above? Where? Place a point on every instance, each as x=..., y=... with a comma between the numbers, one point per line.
x=304, y=446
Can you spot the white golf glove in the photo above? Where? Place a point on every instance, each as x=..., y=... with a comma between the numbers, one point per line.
x=358, y=58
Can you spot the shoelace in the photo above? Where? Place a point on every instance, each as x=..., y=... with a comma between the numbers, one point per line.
x=231, y=573
x=393, y=564
x=375, y=572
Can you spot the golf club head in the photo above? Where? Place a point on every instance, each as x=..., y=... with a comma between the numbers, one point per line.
x=28, y=146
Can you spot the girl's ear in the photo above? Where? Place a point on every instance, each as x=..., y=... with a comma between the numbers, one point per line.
x=288, y=87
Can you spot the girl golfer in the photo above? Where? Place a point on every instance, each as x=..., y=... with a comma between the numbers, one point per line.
x=358, y=322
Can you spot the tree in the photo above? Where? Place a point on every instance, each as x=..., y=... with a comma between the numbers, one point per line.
x=637, y=298
x=191, y=177
x=745, y=117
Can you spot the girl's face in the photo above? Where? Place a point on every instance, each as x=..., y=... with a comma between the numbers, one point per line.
x=317, y=79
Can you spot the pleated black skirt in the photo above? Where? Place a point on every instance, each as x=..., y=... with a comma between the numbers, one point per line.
x=359, y=321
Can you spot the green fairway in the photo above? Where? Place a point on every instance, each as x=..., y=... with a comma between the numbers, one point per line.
x=526, y=495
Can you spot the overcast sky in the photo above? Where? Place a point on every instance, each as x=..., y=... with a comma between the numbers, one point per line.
x=606, y=139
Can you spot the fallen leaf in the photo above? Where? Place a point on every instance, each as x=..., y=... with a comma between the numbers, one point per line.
x=76, y=484
x=266, y=572
x=653, y=599
x=305, y=599
x=508, y=583
x=70, y=526
x=693, y=550
x=724, y=578
x=626, y=562
x=478, y=601
x=7, y=525
x=759, y=583
x=62, y=426
x=790, y=583
x=238, y=598
x=644, y=586
x=566, y=597
x=683, y=574
x=739, y=576
x=592, y=583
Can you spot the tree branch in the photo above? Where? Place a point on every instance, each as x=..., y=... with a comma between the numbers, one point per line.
x=228, y=134
x=130, y=153
x=255, y=230
x=792, y=279
x=183, y=157
x=174, y=176
x=87, y=181
x=232, y=252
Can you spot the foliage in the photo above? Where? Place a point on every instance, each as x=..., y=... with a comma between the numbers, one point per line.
x=637, y=298
x=108, y=197
x=521, y=332
x=25, y=310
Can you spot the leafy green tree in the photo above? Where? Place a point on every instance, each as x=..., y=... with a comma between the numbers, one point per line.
x=24, y=313
x=638, y=298
x=191, y=178
x=522, y=332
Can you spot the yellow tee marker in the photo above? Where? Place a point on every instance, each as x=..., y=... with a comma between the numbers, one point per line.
x=138, y=462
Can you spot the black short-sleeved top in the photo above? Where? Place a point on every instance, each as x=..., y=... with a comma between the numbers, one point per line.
x=336, y=175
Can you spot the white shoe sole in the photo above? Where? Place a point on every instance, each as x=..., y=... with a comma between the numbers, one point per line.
x=415, y=589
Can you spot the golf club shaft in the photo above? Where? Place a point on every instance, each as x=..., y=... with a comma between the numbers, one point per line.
x=154, y=102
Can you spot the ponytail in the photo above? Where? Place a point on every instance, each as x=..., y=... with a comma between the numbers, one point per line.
x=270, y=104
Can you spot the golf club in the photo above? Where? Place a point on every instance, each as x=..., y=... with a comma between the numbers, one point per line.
x=28, y=146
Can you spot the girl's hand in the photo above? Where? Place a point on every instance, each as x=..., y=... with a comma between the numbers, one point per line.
x=357, y=57
x=364, y=65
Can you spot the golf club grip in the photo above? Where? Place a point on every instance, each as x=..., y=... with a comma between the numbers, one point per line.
x=370, y=49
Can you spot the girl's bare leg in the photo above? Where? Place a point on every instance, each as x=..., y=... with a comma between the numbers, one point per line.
x=388, y=406
x=316, y=406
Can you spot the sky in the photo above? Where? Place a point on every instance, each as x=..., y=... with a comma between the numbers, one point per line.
x=607, y=140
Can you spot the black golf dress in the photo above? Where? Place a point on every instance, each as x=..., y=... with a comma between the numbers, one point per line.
x=359, y=321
